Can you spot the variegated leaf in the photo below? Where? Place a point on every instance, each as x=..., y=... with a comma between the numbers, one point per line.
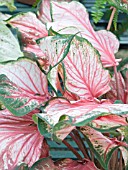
x=55, y=49
x=44, y=164
x=9, y=4
x=26, y=87
x=4, y=17
x=74, y=14
x=31, y=29
x=109, y=121
x=44, y=10
x=77, y=113
x=9, y=46
x=65, y=164
x=102, y=146
x=112, y=94
x=69, y=164
x=84, y=73
x=20, y=140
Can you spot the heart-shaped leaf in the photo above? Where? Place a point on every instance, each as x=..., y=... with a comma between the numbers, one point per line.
x=9, y=47
x=74, y=14
x=31, y=29
x=55, y=49
x=20, y=140
x=84, y=73
x=26, y=87
x=77, y=113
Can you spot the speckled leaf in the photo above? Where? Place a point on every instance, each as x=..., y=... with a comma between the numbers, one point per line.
x=84, y=73
x=44, y=164
x=102, y=146
x=55, y=49
x=69, y=164
x=20, y=141
x=74, y=14
x=31, y=29
x=9, y=47
x=24, y=89
x=109, y=122
x=78, y=113
x=9, y=4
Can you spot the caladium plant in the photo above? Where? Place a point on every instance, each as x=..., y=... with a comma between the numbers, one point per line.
x=61, y=88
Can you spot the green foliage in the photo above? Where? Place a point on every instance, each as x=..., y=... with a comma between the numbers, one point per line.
x=97, y=10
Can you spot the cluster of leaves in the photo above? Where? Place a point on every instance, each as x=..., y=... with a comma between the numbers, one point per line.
x=55, y=82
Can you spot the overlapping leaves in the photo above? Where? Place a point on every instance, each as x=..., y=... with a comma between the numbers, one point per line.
x=20, y=140
x=23, y=87
x=102, y=146
x=74, y=14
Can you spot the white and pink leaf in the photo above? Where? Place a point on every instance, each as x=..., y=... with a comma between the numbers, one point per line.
x=74, y=14
x=20, y=140
x=25, y=88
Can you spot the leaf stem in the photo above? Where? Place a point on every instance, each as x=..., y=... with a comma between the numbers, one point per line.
x=73, y=150
x=117, y=82
x=111, y=18
x=77, y=138
x=120, y=162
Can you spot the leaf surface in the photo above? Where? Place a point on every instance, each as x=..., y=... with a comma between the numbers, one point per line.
x=74, y=14
x=109, y=121
x=9, y=47
x=77, y=113
x=84, y=73
x=112, y=94
x=55, y=49
x=68, y=164
x=31, y=29
x=25, y=88
x=102, y=146
x=20, y=140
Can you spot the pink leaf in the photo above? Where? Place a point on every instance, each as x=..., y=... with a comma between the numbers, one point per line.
x=109, y=121
x=84, y=73
x=69, y=164
x=44, y=12
x=112, y=94
x=101, y=143
x=78, y=113
x=31, y=29
x=20, y=140
x=28, y=85
x=55, y=49
x=75, y=15
x=34, y=48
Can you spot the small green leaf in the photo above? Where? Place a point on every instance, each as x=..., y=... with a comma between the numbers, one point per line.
x=44, y=128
